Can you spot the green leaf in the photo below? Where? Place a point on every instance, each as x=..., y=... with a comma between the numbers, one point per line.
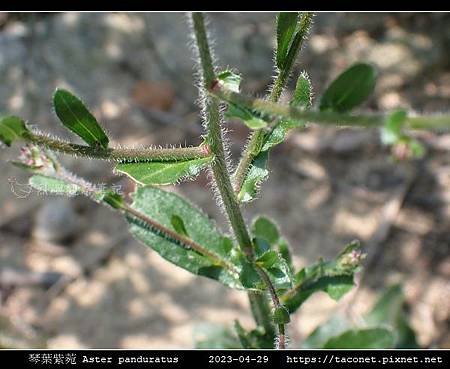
x=11, y=129
x=261, y=246
x=251, y=120
x=254, y=339
x=160, y=206
x=268, y=259
x=249, y=277
x=351, y=88
x=264, y=228
x=256, y=174
x=162, y=172
x=279, y=132
x=53, y=185
x=178, y=225
x=333, y=277
x=208, y=336
x=281, y=315
x=286, y=27
x=389, y=311
x=335, y=326
x=391, y=132
x=76, y=117
x=283, y=249
x=112, y=198
x=372, y=338
x=277, y=269
x=229, y=80
x=302, y=97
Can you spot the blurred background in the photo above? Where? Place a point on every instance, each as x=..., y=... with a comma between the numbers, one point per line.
x=72, y=277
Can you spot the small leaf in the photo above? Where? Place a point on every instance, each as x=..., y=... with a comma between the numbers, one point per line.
x=268, y=259
x=250, y=119
x=249, y=277
x=254, y=339
x=281, y=315
x=264, y=228
x=113, y=199
x=178, y=225
x=261, y=246
x=333, y=277
x=53, y=185
x=391, y=132
x=208, y=336
x=227, y=245
x=160, y=206
x=229, y=80
x=76, y=117
x=256, y=174
x=11, y=129
x=283, y=249
x=372, y=338
x=333, y=327
x=279, y=132
x=162, y=173
x=302, y=97
x=389, y=311
x=351, y=88
x=286, y=27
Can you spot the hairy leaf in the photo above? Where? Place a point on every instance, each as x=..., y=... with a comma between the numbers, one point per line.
x=333, y=277
x=251, y=120
x=371, y=338
x=11, y=129
x=264, y=228
x=281, y=315
x=229, y=80
x=302, y=97
x=162, y=172
x=267, y=259
x=256, y=174
x=286, y=27
x=53, y=185
x=160, y=206
x=76, y=117
x=351, y=88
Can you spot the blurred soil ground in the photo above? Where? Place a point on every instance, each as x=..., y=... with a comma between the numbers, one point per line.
x=327, y=186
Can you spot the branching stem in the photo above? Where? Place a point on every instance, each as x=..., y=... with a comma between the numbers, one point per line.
x=119, y=154
x=424, y=122
x=249, y=153
x=220, y=170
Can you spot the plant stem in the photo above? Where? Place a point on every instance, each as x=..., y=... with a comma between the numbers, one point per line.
x=297, y=43
x=425, y=122
x=119, y=154
x=278, y=86
x=220, y=171
x=275, y=302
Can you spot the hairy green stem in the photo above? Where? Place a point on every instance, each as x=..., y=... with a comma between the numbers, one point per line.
x=219, y=167
x=249, y=153
x=119, y=154
x=425, y=122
